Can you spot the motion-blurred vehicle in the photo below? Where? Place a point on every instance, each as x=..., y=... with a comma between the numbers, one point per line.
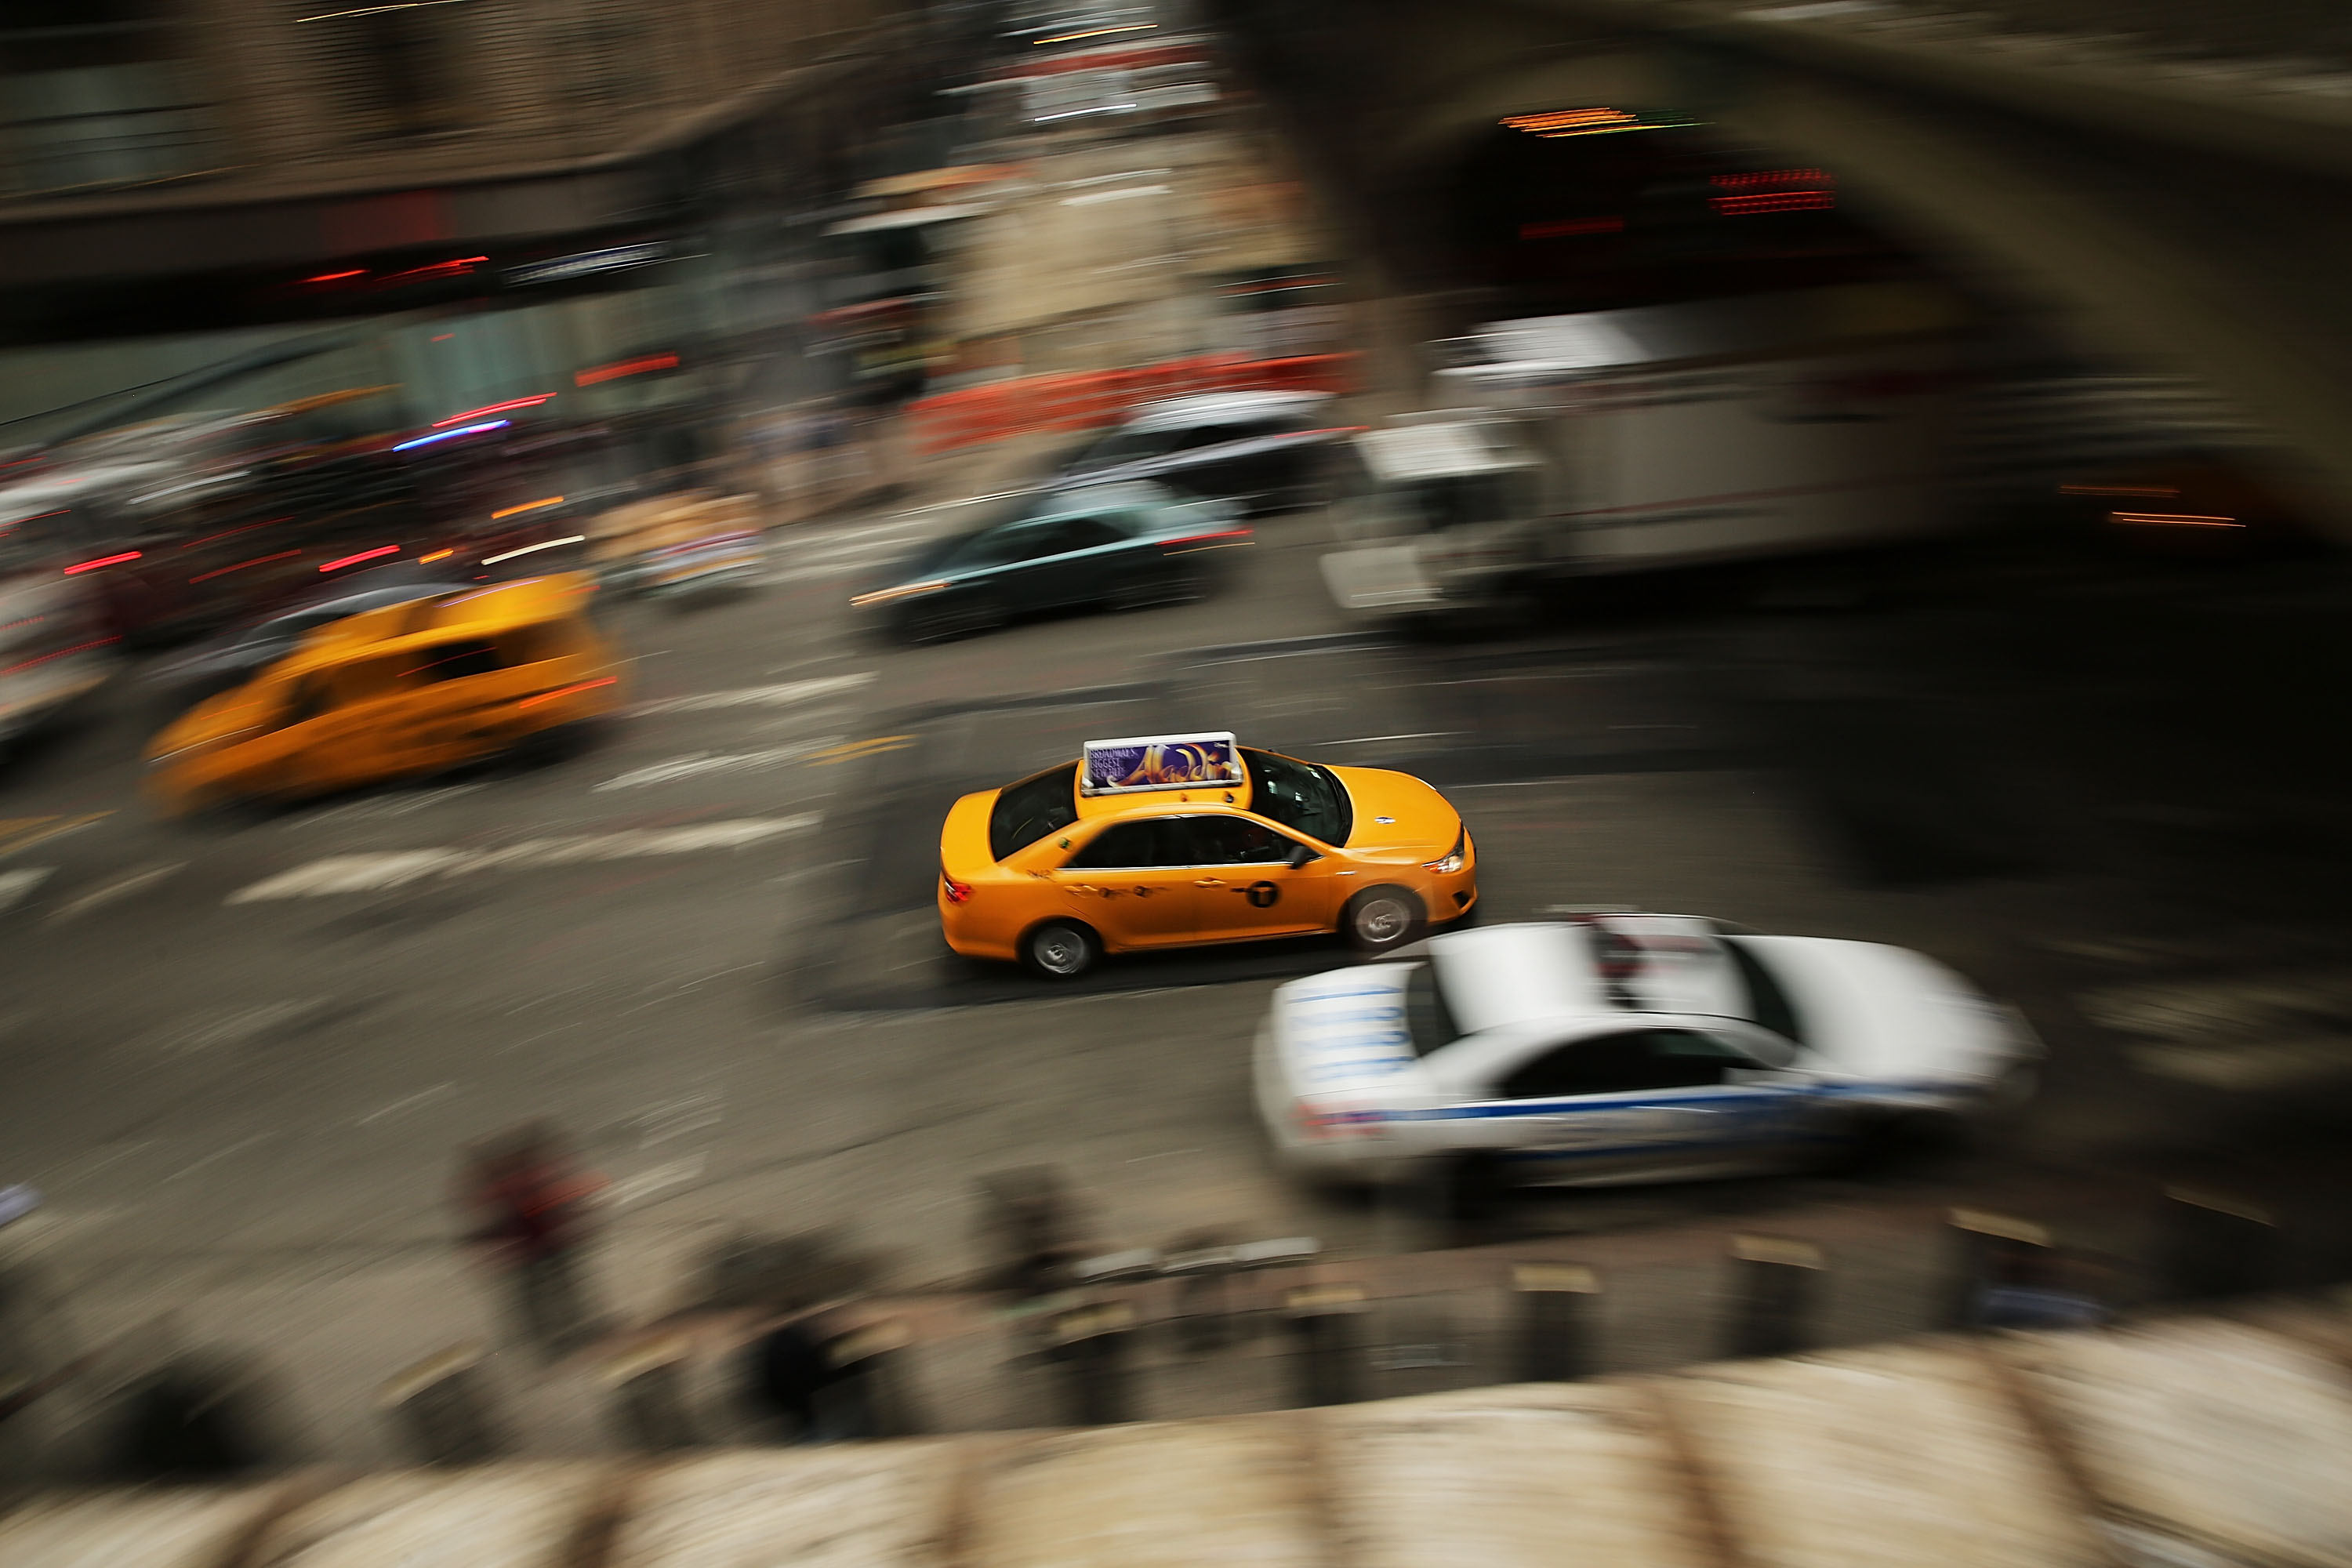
x=2192, y=507
x=1263, y=450
x=1625, y=1049
x=406, y=689
x=676, y=545
x=233, y=657
x=56, y=648
x=186, y=525
x=1122, y=546
x=1670, y=435
x=1173, y=840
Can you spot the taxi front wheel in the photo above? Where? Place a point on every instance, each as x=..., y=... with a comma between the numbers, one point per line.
x=1060, y=949
x=1380, y=920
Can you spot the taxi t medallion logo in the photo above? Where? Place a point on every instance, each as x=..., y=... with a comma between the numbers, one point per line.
x=1262, y=895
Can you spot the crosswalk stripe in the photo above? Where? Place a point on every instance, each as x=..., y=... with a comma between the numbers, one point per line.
x=697, y=764
x=109, y=892
x=395, y=869
x=15, y=886
x=783, y=696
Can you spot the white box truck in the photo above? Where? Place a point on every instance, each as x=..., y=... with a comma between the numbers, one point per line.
x=1628, y=440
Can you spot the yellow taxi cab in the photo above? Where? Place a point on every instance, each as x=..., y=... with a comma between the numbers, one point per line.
x=1170, y=840
x=410, y=689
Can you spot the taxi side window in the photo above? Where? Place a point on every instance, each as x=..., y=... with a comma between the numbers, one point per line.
x=1226, y=841
x=1123, y=845
x=368, y=677
x=1631, y=1060
x=455, y=661
x=306, y=700
x=1076, y=534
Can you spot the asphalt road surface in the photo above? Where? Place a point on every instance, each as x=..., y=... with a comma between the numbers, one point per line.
x=240, y=1055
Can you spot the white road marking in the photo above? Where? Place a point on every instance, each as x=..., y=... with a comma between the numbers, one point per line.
x=397, y=805
x=219, y=1154
x=695, y=764
x=2196, y=1009
x=678, y=1117
x=645, y=1183
x=792, y=691
x=120, y=887
x=367, y=873
x=245, y=1025
x=397, y=1106
x=15, y=885
x=2306, y=1062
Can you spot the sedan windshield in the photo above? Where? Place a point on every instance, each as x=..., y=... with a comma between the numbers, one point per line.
x=1428, y=1020
x=1767, y=1003
x=1300, y=795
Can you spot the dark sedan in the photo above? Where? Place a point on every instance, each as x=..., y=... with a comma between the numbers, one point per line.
x=1116, y=546
x=1263, y=450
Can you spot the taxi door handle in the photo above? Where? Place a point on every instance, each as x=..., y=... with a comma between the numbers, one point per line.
x=1209, y=883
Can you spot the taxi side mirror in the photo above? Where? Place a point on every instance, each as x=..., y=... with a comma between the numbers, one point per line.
x=1300, y=854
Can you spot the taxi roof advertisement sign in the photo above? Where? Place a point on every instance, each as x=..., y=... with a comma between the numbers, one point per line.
x=1160, y=762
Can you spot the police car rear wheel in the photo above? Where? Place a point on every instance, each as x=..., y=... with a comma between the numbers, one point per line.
x=1060, y=949
x=1380, y=920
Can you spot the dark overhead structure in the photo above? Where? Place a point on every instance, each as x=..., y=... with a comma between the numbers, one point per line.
x=2153, y=183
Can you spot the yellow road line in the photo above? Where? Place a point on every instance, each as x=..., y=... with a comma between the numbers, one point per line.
x=20, y=833
x=857, y=749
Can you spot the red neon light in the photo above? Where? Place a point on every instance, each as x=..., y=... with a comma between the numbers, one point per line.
x=330, y=277
x=568, y=690
x=494, y=408
x=257, y=561
x=102, y=561
x=624, y=367
x=1772, y=177
x=1773, y=202
x=363, y=555
x=1559, y=227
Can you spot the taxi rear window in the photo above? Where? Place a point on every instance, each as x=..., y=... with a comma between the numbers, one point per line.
x=1027, y=811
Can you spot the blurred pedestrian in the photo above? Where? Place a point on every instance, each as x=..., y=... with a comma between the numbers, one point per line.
x=532, y=1213
x=796, y=1375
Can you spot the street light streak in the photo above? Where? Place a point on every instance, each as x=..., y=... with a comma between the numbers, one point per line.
x=526, y=550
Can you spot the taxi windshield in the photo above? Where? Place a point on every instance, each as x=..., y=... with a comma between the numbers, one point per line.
x=1301, y=796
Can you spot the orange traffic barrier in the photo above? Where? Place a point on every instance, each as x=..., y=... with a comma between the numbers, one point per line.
x=1078, y=400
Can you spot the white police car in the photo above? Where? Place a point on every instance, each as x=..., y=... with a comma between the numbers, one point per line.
x=1624, y=1048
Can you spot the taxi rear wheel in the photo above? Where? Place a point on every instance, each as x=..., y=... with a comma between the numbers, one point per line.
x=1060, y=949
x=1380, y=920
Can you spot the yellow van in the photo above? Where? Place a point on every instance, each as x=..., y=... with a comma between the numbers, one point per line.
x=409, y=688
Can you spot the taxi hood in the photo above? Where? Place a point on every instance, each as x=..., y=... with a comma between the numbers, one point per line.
x=1398, y=812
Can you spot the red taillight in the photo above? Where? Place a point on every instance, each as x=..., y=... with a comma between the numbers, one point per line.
x=958, y=892
x=1221, y=538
